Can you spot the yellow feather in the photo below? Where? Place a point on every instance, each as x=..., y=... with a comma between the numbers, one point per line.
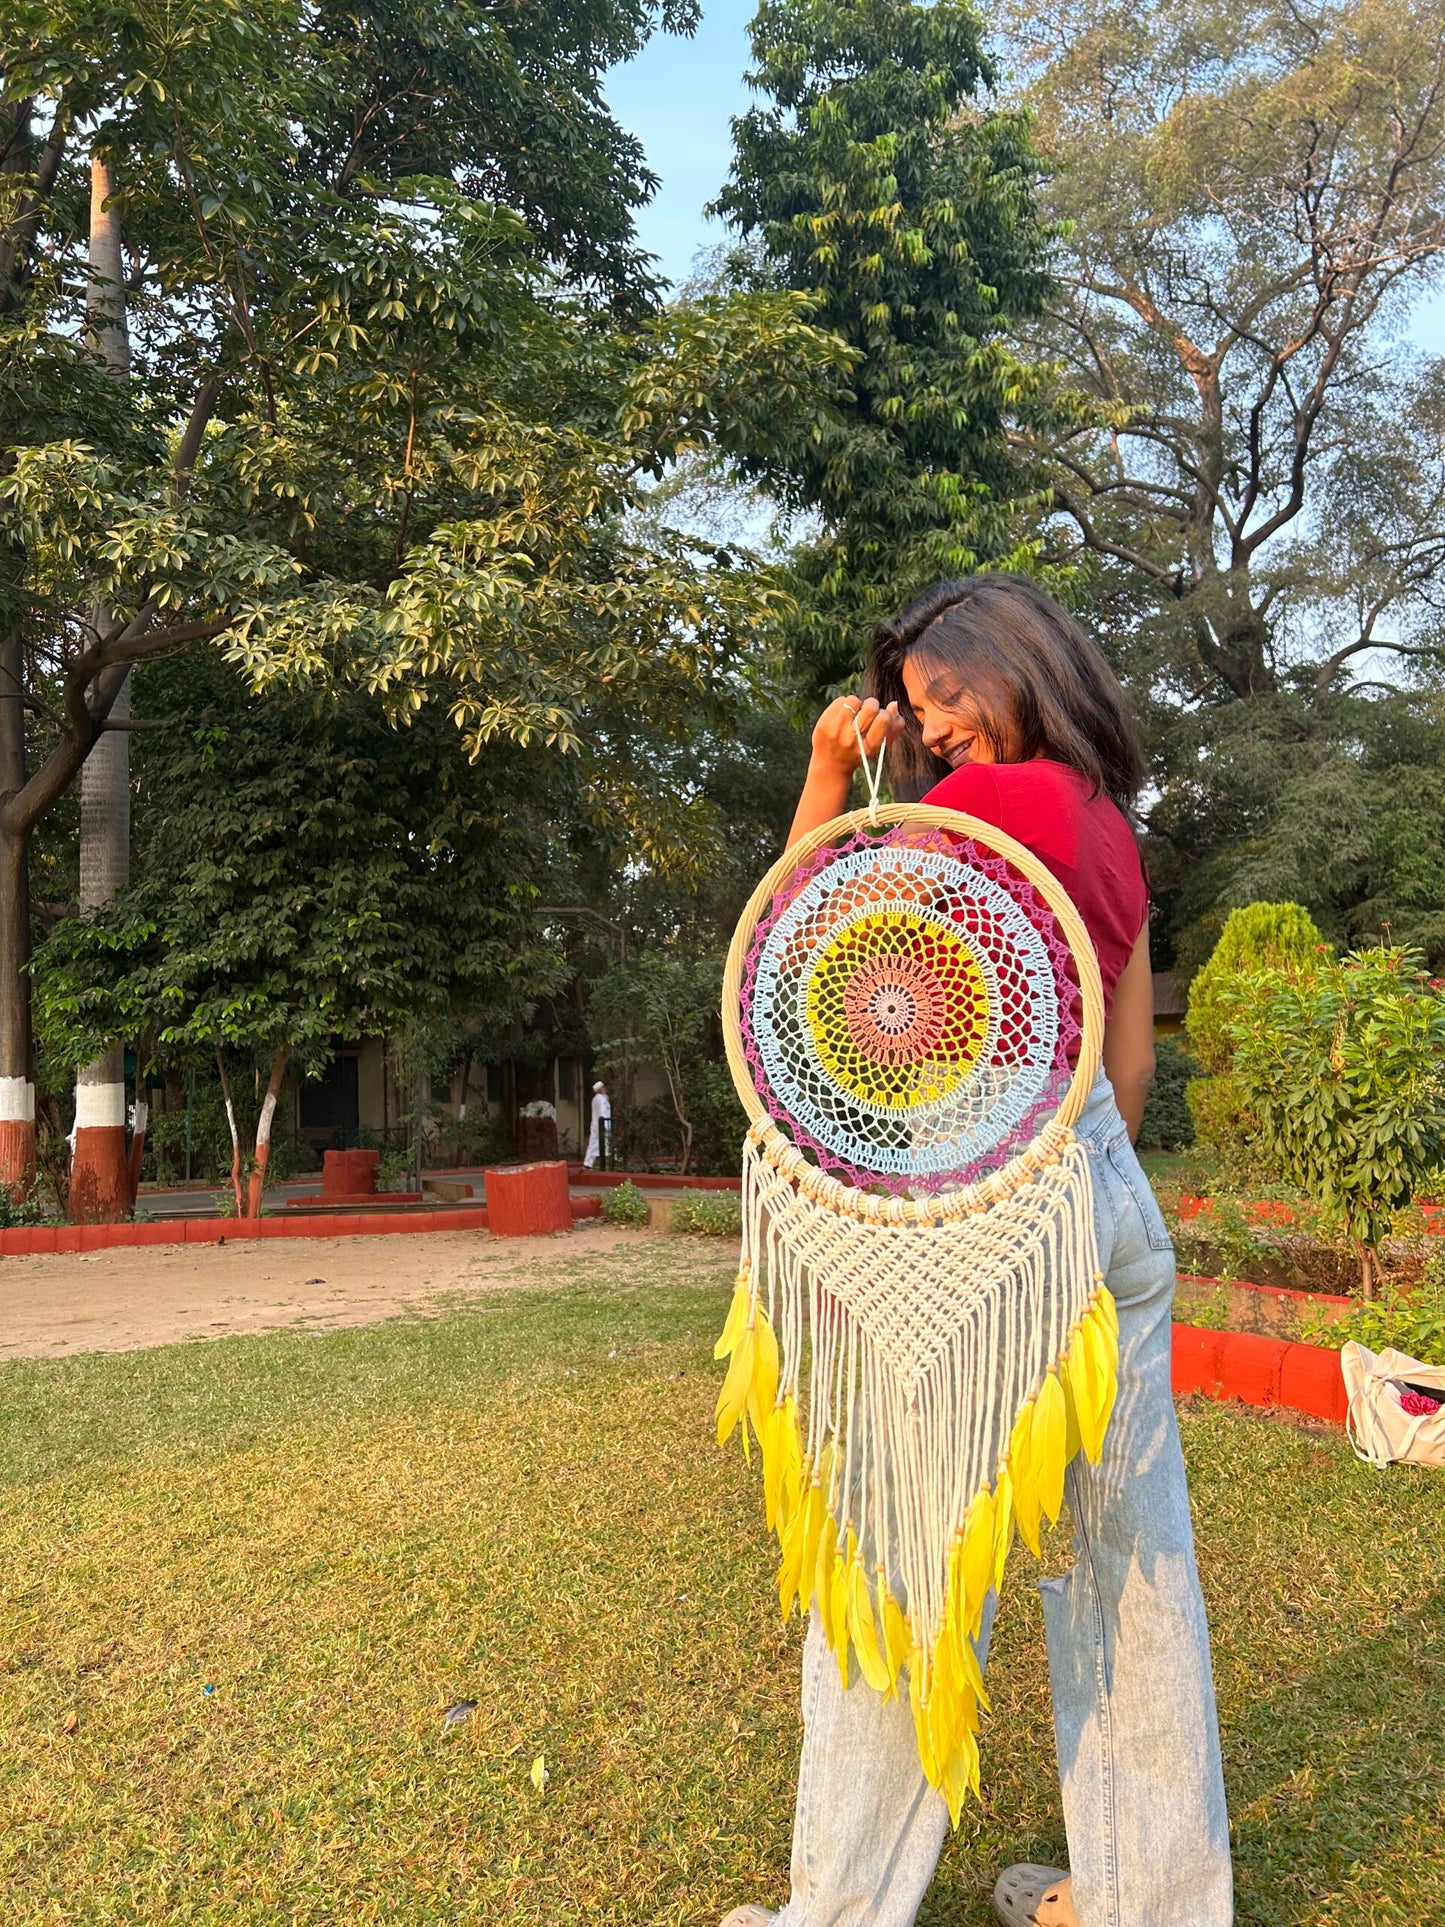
x=1003, y=1524
x=1072, y=1439
x=863, y=1629
x=733, y=1397
x=977, y=1561
x=808, y=1564
x=1050, y=1430
x=897, y=1637
x=791, y=1562
x=1025, y=1478
x=763, y=1384
x=774, y=1446
x=1079, y=1369
x=920, y=1716
x=737, y=1313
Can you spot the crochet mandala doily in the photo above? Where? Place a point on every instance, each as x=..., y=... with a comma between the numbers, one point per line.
x=909, y=1009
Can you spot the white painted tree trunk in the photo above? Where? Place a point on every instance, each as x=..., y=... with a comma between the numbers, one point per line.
x=100, y=1175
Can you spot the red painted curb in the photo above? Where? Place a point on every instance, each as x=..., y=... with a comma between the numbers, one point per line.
x=650, y=1180
x=25, y=1241
x=1270, y=1291
x=1268, y=1372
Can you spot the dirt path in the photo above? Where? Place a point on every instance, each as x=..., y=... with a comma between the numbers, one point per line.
x=117, y=1301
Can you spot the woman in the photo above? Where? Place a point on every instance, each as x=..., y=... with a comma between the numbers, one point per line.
x=992, y=700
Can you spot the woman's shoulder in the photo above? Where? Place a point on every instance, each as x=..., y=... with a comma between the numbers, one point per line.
x=1038, y=782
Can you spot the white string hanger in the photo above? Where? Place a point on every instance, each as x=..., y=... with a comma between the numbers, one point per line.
x=873, y=777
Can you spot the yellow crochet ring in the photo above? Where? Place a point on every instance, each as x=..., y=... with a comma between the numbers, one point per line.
x=898, y=1008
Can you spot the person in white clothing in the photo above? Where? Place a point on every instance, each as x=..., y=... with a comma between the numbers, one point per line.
x=601, y=1114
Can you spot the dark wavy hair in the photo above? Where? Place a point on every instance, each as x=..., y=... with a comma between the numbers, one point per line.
x=1042, y=686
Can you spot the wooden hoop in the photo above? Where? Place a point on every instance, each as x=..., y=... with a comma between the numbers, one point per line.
x=1026, y=1164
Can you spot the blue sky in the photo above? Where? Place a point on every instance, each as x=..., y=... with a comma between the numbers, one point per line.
x=679, y=97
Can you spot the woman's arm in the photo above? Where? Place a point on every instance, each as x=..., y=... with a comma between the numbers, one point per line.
x=836, y=756
x=1129, y=1037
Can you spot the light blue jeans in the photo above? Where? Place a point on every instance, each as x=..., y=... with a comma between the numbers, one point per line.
x=1134, y=1719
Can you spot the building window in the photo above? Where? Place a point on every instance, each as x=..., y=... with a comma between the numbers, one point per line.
x=566, y=1080
x=496, y=1084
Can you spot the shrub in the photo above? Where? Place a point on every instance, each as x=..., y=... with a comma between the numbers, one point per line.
x=1341, y=1067
x=1413, y=1320
x=625, y=1205
x=709, y=1214
x=1257, y=936
x=23, y=1208
x=396, y=1171
x=1167, y=1124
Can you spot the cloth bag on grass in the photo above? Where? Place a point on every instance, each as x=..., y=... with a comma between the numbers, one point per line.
x=1383, y=1429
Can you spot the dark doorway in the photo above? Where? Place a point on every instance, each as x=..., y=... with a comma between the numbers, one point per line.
x=330, y=1111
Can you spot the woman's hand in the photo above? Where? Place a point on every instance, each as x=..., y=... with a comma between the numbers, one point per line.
x=837, y=730
x=836, y=755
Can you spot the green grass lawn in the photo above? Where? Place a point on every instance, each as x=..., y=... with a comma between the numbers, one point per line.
x=249, y=1576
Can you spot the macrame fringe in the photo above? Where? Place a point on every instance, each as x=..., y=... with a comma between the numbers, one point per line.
x=956, y=1368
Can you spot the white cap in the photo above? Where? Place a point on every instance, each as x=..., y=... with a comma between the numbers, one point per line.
x=599, y=1085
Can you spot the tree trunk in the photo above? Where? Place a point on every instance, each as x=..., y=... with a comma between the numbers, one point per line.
x=100, y=1188
x=17, y=1088
x=235, y=1136
x=462, y=1109
x=100, y=1176
x=263, y=1131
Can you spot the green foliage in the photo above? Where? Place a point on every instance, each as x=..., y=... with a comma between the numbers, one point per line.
x=871, y=176
x=624, y=1204
x=396, y=1171
x=1341, y=1063
x=708, y=1214
x=1167, y=1124
x=1255, y=936
x=717, y=1119
x=304, y=873
x=658, y=1010
x=1214, y=1313
x=165, y=1147
x=1411, y=1320
x=387, y=308
x=24, y=1208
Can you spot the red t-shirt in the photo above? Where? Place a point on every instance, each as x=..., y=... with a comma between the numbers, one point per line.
x=1085, y=840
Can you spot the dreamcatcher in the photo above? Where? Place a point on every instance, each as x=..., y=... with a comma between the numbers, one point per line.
x=913, y=1019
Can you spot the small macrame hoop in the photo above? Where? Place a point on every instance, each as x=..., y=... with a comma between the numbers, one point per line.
x=1025, y=1165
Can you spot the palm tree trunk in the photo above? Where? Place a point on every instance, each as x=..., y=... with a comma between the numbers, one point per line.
x=100, y=1180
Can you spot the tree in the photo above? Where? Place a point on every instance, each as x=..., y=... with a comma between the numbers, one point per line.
x=1341, y=1063
x=878, y=177
x=375, y=427
x=100, y=1187
x=1250, y=198
x=658, y=1010
x=309, y=874
x=1246, y=463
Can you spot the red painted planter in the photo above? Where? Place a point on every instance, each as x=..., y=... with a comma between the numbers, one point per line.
x=1260, y=1371
x=528, y=1200
x=348, y=1173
